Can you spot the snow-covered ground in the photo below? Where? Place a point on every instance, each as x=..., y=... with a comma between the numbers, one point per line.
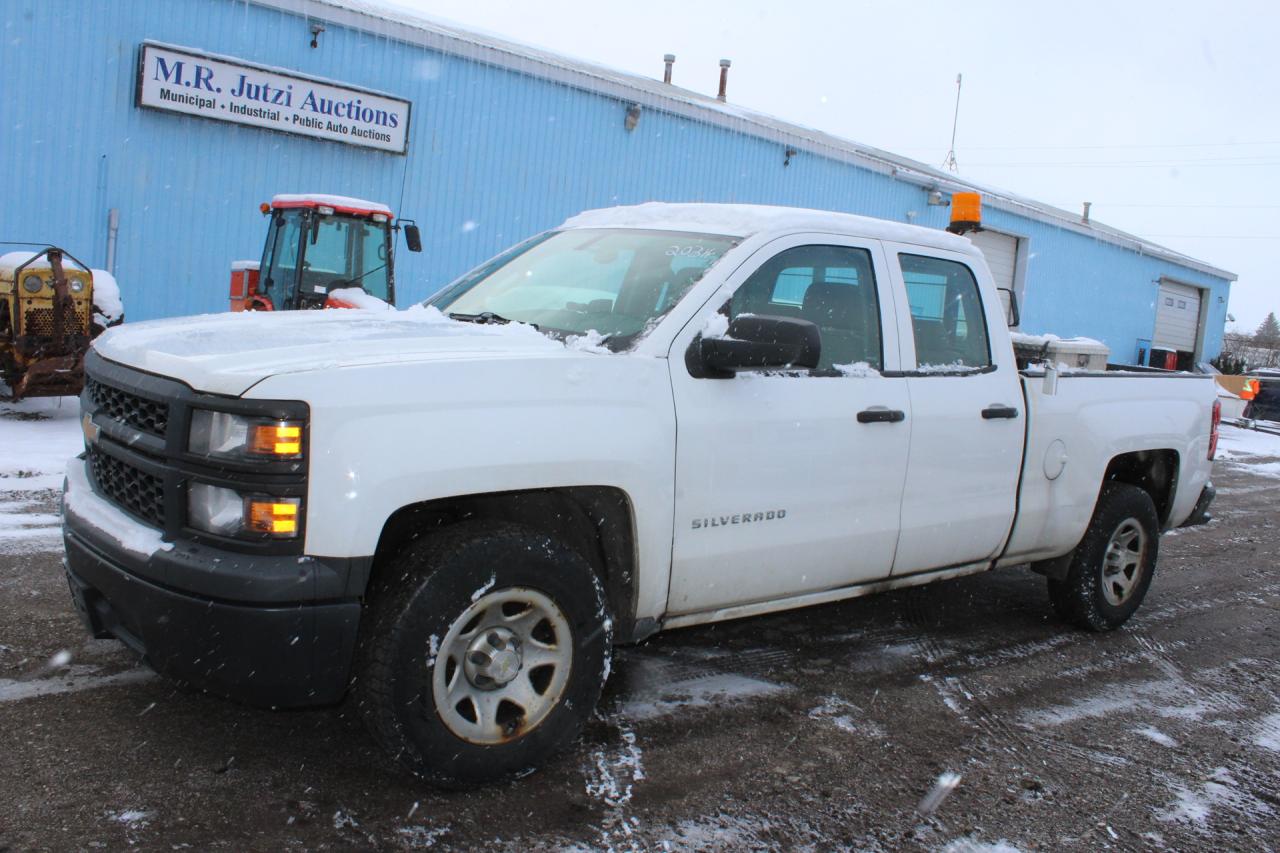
x=1259, y=452
x=37, y=437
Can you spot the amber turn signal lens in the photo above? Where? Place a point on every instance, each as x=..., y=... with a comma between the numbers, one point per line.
x=280, y=439
x=275, y=516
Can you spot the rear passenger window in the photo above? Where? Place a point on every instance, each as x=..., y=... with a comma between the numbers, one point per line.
x=946, y=313
x=832, y=287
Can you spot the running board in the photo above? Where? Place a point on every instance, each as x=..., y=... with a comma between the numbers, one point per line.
x=741, y=611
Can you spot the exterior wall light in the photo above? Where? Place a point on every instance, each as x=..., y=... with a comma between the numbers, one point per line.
x=632, y=118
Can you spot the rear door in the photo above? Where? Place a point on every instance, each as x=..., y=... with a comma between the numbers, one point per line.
x=783, y=484
x=967, y=413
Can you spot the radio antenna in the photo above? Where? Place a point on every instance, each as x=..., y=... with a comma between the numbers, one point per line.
x=950, y=163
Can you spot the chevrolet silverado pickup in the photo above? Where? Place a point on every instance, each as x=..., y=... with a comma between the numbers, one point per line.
x=648, y=418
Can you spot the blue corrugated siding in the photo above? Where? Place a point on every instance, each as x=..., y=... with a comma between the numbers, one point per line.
x=494, y=156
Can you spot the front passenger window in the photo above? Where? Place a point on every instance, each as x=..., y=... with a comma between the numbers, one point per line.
x=832, y=287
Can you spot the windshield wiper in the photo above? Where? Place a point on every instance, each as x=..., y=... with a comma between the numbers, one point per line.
x=355, y=282
x=484, y=318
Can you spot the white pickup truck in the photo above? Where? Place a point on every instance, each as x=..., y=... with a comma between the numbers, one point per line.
x=648, y=418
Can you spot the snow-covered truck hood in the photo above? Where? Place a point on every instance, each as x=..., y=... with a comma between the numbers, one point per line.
x=230, y=353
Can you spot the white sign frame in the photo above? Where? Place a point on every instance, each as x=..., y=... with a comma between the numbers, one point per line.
x=222, y=88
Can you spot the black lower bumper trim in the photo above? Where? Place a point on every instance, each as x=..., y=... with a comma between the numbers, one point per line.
x=1200, y=515
x=279, y=656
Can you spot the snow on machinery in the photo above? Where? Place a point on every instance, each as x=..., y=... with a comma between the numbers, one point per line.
x=46, y=322
x=317, y=244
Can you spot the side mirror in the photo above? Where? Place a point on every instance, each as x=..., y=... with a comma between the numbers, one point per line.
x=413, y=237
x=1010, y=300
x=755, y=342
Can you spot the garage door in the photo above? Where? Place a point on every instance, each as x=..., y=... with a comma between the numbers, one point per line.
x=1001, y=252
x=1177, y=317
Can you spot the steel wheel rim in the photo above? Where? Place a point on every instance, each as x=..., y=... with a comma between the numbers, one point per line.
x=1122, y=562
x=479, y=694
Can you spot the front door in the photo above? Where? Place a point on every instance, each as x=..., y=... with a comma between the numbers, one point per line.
x=781, y=489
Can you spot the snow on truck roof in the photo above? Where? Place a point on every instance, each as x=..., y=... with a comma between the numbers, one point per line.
x=742, y=220
x=340, y=203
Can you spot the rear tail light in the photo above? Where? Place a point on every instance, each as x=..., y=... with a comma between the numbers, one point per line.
x=1213, y=429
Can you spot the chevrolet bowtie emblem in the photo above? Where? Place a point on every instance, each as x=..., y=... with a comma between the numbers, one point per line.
x=89, y=428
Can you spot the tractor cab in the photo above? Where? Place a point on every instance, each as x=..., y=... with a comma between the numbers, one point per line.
x=317, y=244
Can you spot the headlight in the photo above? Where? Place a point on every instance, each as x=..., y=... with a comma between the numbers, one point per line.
x=240, y=437
x=227, y=512
x=77, y=285
x=32, y=283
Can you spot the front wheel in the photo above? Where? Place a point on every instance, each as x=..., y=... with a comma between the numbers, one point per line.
x=1112, y=566
x=486, y=651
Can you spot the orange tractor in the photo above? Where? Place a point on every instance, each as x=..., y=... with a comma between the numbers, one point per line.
x=319, y=244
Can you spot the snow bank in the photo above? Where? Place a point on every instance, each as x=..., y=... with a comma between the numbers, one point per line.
x=1235, y=443
x=37, y=437
x=108, y=307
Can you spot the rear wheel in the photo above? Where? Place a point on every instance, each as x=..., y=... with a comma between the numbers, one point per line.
x=485, y=652
x=1112, y=566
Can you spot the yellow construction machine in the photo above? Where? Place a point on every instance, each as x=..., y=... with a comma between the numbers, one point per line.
x=46, y=307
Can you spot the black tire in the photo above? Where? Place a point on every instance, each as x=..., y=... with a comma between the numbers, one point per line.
x=1099, y=594
x=424, y=594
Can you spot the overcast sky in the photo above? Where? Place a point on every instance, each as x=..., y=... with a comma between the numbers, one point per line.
x=1163, y=114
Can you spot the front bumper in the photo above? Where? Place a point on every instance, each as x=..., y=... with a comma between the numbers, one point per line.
x=272, y=631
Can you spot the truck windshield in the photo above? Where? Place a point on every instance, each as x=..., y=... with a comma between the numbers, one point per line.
x=347, y=251
x=617, y=282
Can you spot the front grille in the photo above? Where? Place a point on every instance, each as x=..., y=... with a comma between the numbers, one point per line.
x=138, y=412
x=39, y=321
x=136, y=491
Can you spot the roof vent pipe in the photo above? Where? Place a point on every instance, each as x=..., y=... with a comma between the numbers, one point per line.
x=724, y=79
x=669, y=59
x=1085, y=216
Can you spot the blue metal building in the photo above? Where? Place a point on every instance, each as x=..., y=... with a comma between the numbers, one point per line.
x=503, y=141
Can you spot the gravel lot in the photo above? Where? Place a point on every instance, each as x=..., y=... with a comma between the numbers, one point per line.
x=818, y=729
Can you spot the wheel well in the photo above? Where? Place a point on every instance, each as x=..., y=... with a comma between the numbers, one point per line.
x=1153, y=471
x=596, y=521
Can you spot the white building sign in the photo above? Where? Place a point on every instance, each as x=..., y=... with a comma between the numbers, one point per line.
x=183, y=81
